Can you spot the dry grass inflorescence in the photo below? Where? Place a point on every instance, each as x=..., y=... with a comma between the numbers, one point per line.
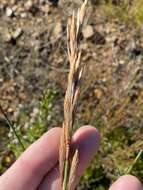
x=68, y=166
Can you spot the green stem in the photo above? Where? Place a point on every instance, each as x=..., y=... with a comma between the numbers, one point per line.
x=12, y=127
x=65, y=181
x=134, y=162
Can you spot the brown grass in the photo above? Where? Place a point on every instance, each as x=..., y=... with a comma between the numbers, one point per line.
x=68, y=166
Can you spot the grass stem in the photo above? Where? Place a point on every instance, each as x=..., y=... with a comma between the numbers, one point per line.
x=12, y=127
x=130, y=168
x=65, y=182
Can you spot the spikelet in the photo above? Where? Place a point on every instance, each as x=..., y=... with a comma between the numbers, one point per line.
x=73, y=171
x=74, y=28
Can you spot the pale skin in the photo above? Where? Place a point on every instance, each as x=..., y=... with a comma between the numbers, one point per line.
x=37, y=167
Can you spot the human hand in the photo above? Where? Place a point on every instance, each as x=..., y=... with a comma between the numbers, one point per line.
x=37, y=167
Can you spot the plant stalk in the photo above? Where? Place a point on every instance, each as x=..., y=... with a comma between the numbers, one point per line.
x=129, y=170
x=12, y=127
x=65, y=182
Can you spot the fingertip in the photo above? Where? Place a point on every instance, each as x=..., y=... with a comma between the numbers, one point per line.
x=86, y=140
x=87, y=134
x=87, y=129
x=127, y=182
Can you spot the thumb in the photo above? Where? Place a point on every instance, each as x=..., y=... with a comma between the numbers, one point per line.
x=127, y=182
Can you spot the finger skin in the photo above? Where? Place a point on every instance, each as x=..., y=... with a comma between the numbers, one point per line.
x=28, y=171
x=127, y=182
x=86, y=139
x=51, y=181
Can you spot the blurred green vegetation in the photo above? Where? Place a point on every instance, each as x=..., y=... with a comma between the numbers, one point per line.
x=127, y=11
x=35, y=130
x=30, y=132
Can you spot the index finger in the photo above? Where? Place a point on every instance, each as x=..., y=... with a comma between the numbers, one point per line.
x=28, y=171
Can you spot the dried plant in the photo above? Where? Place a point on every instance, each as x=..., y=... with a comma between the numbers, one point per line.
x=68, y=166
